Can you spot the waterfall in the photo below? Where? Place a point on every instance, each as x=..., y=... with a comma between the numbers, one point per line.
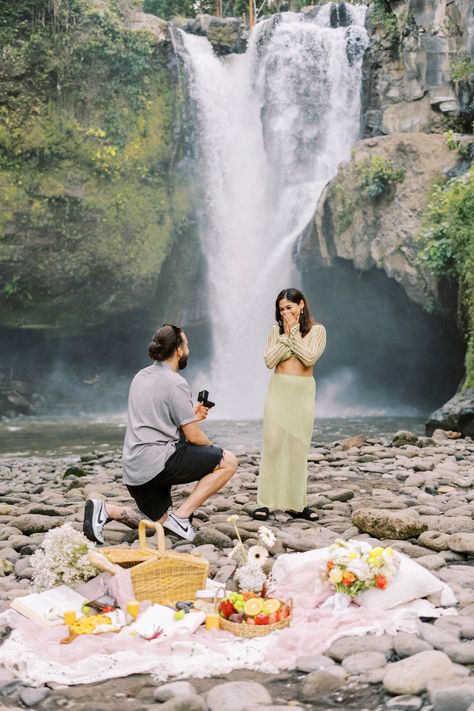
x=270, y=128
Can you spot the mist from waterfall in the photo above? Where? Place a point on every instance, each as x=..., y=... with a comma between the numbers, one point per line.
x=270, y=128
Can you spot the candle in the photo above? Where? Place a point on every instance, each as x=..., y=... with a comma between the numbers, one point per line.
x=133, y=608
x=212, y=621
x=69, y=617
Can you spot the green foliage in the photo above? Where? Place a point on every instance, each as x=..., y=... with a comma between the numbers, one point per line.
x=167, y=9
x=89, y=207
x=383, y=17
x=462, y=67
x=451, y=141
x=375, y=177
x=447, y=247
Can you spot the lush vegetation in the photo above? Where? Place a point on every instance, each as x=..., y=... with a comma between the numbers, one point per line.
x=88, y=123
x=376, y=176
x=462, y=67
x=447, y=248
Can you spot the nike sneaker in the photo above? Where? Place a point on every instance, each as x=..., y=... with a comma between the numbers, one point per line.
x=181, y=526
x=95, y=518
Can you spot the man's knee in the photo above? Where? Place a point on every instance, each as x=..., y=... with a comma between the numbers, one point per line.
x=229, y=461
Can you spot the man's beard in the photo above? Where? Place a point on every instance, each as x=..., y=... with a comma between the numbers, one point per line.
x=182, y=362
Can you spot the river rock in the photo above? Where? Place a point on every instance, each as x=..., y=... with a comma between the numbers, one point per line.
x=410, y=675
x=31, y=696
x=206, y=535
x=404, y=703
x=461, y=652
x=314, y=662
x=315, y=537
x=361, y=662
x=236, y=696
x=318, y=683
x=384, y=523
x=457, y=414
x=345, y=646
x=182, y=703
x=461, y=543
x=455, y=697
x=406, y=645
x=173, y=689
x=37, y=523
x=434, y=540
x=404, y=437
x=436, y=637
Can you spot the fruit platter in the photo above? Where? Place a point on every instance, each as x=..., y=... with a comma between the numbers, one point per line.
x=247, y=614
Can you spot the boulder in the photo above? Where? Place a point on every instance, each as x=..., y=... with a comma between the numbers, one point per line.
x=236, y=696
x=457, y=414
x=318, y=683
x=411, y=675
x=384, y=523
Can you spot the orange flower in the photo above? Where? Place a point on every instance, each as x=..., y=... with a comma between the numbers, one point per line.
x=329, y=566
x=348, y=578
x=381, y=581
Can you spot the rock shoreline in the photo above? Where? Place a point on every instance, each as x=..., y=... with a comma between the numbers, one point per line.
x=414, y=493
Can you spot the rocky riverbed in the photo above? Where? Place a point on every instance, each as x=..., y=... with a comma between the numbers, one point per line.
x=414, y=493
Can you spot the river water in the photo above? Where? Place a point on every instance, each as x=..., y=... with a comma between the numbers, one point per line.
x=64, y=436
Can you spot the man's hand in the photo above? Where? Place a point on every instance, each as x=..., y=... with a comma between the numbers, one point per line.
x=201, y=412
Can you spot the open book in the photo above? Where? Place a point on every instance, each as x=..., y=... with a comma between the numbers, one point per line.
x=48, y=607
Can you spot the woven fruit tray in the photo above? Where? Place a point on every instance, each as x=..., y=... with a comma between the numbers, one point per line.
x=256, y=618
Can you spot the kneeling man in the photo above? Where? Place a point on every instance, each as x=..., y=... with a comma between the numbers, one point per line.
x=164, y=446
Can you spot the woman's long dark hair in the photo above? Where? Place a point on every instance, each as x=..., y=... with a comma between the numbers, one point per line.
x=306, y=319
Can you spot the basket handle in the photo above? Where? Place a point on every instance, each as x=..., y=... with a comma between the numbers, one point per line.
x=160, y=534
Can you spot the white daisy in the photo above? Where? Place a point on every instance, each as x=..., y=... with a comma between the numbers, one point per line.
x=257, y=555
x=267, y=536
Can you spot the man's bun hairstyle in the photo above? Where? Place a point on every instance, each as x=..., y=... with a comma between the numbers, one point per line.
x=165, y=342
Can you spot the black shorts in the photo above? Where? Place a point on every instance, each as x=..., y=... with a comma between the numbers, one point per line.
x=188, y=463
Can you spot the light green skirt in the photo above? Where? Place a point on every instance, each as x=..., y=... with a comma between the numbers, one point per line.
x=287, y=429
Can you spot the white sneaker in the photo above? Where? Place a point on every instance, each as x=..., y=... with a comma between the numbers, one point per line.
x=95, y=518
x=181, y=526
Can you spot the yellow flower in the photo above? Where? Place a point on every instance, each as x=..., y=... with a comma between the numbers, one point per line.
x=353, y=555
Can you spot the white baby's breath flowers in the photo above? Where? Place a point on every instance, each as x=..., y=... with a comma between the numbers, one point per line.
x=62, y=559
x=250, y=577
x=267, y=536
x=257, y=555
x=233, y=518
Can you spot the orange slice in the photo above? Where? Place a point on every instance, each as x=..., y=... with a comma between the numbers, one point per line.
x=271, y=605
x=253, y=606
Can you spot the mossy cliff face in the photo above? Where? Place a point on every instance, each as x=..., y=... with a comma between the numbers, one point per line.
x=89, y=200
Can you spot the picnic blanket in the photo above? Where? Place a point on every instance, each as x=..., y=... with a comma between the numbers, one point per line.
x=36, y=656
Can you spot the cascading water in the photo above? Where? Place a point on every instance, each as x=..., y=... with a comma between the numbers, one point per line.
x=271, y=127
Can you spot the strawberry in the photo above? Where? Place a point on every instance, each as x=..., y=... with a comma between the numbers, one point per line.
x=284, y=612
x=250, y=620
x=262, y=619
x=273, y=617
x=226, y=608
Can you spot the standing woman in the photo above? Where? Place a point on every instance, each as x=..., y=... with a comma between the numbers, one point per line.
x=294, y=345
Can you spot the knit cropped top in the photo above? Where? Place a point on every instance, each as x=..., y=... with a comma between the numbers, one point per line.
x=280, y=347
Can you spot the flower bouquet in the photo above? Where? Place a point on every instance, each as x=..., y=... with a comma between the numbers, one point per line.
x=62, y=559
x=355, y=566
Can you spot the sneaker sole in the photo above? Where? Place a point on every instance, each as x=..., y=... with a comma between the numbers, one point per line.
x=87, y=527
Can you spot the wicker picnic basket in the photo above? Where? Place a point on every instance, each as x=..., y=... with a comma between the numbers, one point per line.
x=157, y=574
x=244, y=630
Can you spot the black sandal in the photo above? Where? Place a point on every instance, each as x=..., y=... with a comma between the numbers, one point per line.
x=261, y=514
x=307, y=513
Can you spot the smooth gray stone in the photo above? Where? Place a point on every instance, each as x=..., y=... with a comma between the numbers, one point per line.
x=461, y=652
x=406, y=645
x=173, y=689
x=318, y=683
x=344, y=646
x=362, y=662
x=453, y=698
x=181, y=703
x=437, y=637
x=411, y=675
x=32, y=696
x=236, y=695
x=405, y=703
x=313, y=663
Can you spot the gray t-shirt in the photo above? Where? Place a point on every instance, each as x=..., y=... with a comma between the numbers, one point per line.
x=159, y=403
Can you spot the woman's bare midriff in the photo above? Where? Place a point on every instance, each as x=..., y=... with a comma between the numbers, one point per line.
x=293, y=366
